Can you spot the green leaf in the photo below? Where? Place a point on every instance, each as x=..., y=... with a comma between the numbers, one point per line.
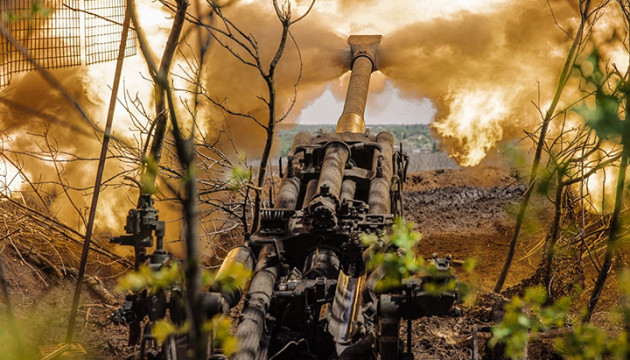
x=239, y=176
x=132, y=282
x=471, y=264
x=604, y=118
x=165, y=278
x=219, y=328
x=525, y=315
x=536, y=295
x=162, y=329
x=231, y=276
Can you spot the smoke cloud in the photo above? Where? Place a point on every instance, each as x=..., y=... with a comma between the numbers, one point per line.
x=321, y=51
x=479, y=62
x=321, y=56
x=481, y=70
x=39, y=126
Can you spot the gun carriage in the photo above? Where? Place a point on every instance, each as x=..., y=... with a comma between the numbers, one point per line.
x=311, y=295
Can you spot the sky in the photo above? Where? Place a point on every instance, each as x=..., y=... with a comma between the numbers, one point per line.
x=386, y=107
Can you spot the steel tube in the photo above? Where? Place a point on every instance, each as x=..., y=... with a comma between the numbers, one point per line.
x=380, y=198
x=363, y=49
x=288, y=193
x=252, y=326
x=333, y=167
x=311, y=189
x=351, y=119
x=324, y=204
x=348, y=189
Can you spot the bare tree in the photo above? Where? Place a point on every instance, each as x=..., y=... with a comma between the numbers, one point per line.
x=587, y=14
x=185, y=149
x=245, y=48
x=573, y=154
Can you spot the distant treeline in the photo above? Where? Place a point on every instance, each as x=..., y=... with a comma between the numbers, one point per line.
x=414, y=137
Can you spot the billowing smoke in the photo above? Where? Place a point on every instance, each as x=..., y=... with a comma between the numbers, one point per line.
x=320, y=57
x=481, y=63
x=48, y=138
x=478, y=62
x=75, y=145
x=481, y=71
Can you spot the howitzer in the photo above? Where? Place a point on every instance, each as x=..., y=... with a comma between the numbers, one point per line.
x=311, y=295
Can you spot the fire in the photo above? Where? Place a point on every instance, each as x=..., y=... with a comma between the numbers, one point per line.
x=474, y=124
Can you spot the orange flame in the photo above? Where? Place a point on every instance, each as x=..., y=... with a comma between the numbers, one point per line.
x=474, y=124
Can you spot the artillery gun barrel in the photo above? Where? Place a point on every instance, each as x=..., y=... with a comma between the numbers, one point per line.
x=363, y=49
x=329, y=187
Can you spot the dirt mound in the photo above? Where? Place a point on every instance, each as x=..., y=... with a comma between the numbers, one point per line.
x=39, y=257
x=41, y=302
x=459, y=208
x=464, y=212
x=476, y=177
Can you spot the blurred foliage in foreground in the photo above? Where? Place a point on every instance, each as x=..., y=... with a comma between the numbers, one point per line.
x=394, y=255
x=583, y=341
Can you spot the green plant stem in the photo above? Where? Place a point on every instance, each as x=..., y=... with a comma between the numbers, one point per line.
x=555, y=231
x=613, y=233
x=611, y=244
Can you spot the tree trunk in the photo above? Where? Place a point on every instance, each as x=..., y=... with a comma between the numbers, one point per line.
x=619, y=192
x=554, y=233
x=193, y=261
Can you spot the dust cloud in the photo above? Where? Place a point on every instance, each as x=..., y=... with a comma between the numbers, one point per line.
x=58, y=132
x=315, y=56
x=481, y=71
x=479, y=62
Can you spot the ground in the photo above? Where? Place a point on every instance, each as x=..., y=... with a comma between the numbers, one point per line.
x=462, y=212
